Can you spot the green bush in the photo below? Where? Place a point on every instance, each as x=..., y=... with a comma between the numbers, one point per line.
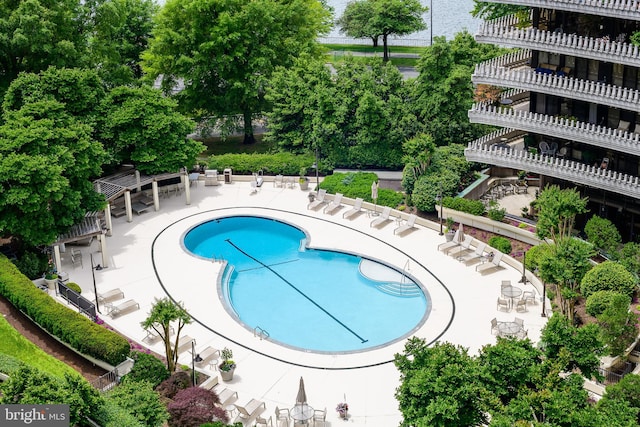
x=147, y=368
x=270, y=164
x=9, y=364
x=358, y=184
x=427, y=189
x=496, y=213
x=69, y=326
x=608, y=276
x=603, y=234
x=32, y=264
x=74, y=287
x=629, y=256
x=500, y=243
x=599, y=301
x=473, y=207
x=534, y=255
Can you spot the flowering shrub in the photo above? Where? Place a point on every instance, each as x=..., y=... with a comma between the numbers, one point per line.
x=342, y=408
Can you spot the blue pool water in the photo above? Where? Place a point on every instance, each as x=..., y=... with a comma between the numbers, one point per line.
x=315, y=300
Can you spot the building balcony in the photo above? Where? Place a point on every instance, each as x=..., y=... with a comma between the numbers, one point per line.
x=504, y=32
x=622, y=9
x=496, y=72
x=587, y=133
x=564, y=169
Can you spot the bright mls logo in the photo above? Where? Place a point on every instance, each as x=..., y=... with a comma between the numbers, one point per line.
x=34, y=415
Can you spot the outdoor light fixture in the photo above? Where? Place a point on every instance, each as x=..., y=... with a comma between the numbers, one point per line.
x=524, y=280
x=194, y=358
x=440, y=199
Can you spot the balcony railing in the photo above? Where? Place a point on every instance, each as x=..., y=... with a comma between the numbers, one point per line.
x=503, y=32
x=588, y=133
x=623, y=9
x=564, y=169
x=493, y=73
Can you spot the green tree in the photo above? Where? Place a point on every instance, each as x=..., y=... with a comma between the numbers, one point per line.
x=225, y=52
x=375, y=18
x=47, y=158
x=35, y=34
x=194, y=406
x=140, y=400
x=418, y=152
x=489, y=11
x=440, y=386
x=147, y=367
x=629, y=256
x=627, y=390
x=557, y=210
x=163, y=312
x=603, y=234
x=609, y=276
x=140, y=126
x=618, y=326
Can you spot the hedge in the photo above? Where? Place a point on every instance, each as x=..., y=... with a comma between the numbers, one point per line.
x=69, y=326
x=269, y=164
x=500, y=243
x=473, y=207
x=358, y=184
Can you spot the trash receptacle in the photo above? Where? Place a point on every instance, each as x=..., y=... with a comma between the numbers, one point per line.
x=227, y=176
x=63, y=277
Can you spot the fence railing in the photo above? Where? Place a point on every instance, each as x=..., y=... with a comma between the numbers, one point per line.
x=626, y=9
x=83, y=305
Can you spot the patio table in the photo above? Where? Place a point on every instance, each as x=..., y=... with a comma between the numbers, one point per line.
x=301, y=413
x=509, y=329
x=511, y=292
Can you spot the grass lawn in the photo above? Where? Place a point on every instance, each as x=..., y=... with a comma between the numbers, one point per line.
x=15, y=345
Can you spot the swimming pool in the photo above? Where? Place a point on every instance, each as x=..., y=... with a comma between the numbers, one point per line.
x=311, y=299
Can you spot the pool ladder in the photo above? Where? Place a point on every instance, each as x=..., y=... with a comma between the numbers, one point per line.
x=258, y=331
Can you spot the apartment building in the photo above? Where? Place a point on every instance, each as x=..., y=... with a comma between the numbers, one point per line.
x=569, y=108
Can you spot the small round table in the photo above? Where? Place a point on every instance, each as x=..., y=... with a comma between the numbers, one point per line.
x=301, y=413
x=509, y=329
x=511, y=292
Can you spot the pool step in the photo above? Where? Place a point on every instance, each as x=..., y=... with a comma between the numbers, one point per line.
x=397, y=289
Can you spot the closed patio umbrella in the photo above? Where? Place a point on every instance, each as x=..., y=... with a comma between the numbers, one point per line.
x=301, y=399
x=374, y=195
x=460, y=238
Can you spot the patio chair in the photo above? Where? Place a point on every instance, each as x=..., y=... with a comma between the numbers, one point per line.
x=278, y=181
x=250, y=409
x=494, y=264
x=623, y=125
x=503, y=304
x=357, y=208
x=319, y=200
x=320, y=416
x=254, y=187
x=476, y=255
x=263, y=422
x=545, y=150
x=494, y=326
x=411, y=221
x=383, y=218
x=448, y=245
x=282, y=417
x=521, y=306
x=76, y=257
x=519, y=321
x=529, y=296
x=336, y=203
x=522, y=334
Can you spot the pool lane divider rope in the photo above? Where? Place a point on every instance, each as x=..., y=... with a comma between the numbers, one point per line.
x=297, y=290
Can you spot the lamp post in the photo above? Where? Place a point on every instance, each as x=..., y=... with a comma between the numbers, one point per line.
x=95, y=290
x=194, y=358
x=440, y=200
x=524, y=280
x=317, y=167
x=431, y=23
x=544, y=297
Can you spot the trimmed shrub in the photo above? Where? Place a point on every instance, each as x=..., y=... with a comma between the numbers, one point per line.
x=473, y=207
x=74, y=287
x=496, y=213
x=358, y=184
x=147, y=367
x=608, y=276
x=603, y=234
x=598, y=302
x=534, y=255
x=629, y=256
x=500, y=243
x=270, y=164
x=32, y=264
x=179, y=380
x=69, y=326
x=140, y=400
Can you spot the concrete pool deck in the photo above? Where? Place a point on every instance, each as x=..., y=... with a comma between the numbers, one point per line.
x=146, y=261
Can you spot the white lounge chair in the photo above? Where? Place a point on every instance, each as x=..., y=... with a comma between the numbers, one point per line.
x=384, y=217
x=336, y=203
x=110, y=296
x=460, y=247
x=448, y=245
x=319, y=200
x=124, y=308
x=406, y=226
x=357, y=208
x=184, y=344
x=226, y=395
x=495, y=263
x=249, y=410
x=254, y=187
x=208, y=356
x=476, y=255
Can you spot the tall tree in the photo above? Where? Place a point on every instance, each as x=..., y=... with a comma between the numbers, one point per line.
x=140, y=126
x=382, y=18
x=224, y=52
x=557, y=210
x=35, y=34
x=163, y=313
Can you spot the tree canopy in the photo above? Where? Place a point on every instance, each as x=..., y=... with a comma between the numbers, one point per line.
x=224, y=52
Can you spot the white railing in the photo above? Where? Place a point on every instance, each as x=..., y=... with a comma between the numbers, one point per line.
x=556, y=167
x=527, y=79
x=503, y=31
x=625, y=9
x=588, y=133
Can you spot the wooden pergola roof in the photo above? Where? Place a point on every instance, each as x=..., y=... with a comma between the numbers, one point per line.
x=114, y=186
x=89, y=227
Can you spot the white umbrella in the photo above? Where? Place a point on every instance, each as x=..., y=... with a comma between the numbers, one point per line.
x=460, y=238
x=374, y=190
x=301, y=399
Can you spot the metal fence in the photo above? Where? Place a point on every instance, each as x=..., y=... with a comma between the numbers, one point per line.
x=83, y=305
x=613, y=376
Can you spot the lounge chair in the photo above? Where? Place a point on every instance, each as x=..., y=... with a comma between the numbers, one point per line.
x=336, y=203
x=384, y=217
x=411, y=221
x=110, y=296
x=124, y=308
x=145, y=200
x=476, y=255
x=254, y=187
x=249, y=410
x=357, y=208
x=152, y=336
x=319, y=200
x=448, y=245
x=184, y=344
x=495, y=263
x=138, y=207
x=224, y=394
x=208, y=356
x=460, y=247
